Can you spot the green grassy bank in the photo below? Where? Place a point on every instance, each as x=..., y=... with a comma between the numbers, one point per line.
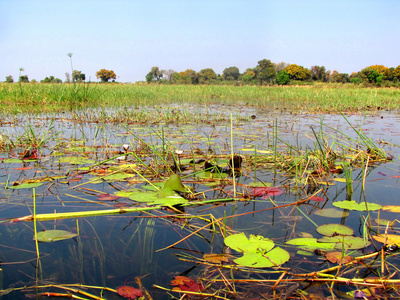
x=21, y=98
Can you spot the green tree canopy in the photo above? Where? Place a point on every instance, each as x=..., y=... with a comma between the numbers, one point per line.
x=78, y=76
x=374, y=74
x=9, y=79
x=249, y=75
x=265, y=71
x=318, y=73
x=23, y=78
x=189, y=76
x=231, y=73
x=207, y=75
x=282, y=77
x=155, y=74
x=105, y=75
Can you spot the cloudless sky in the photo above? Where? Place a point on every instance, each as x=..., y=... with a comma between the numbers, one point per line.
x=131, y=36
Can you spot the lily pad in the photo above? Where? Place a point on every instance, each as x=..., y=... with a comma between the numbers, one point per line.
x=241, y=243
x=258, y=251
x=332, y=213
x=13, y=160
x=311, y=244
x=353, y=205
x=334, y=229
x=76, y=160
x=211, y=175
x=25, y=185
x=337, y=257
x=118, y=176
x=174, y=183
x=389, y=239
x=47, y=236
x=273, y=258
x=346, y=242
x=391, y=208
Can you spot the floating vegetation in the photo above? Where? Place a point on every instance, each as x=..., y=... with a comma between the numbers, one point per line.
x=260, y=208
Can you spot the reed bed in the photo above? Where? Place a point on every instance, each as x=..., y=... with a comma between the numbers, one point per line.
x=39, y=98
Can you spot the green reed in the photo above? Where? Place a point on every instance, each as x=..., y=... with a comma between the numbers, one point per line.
x=317, y=98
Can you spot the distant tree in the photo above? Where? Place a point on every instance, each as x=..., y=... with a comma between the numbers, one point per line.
x=23, y=78
x=341, y=78
x=374, y=74
x=318, y=73
x=280, y=66
x=396, y=72
x=231, y=73
x=248, y=76
x=298, y=72
x=78, y=76
x=155, y=74
x=169, y=75
x=105, y=75
x=355, y=78
x=9, y=79
x=207, y=75
x=265, y=71
x=189, y=76
x=48, y=80
x=282, y=77
x=67, y=77
x=51, y=79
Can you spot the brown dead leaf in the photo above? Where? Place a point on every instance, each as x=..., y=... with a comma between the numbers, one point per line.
x=337, y=257
x=215, y=258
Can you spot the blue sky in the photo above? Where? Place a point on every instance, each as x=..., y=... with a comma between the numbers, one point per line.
x=130, y=37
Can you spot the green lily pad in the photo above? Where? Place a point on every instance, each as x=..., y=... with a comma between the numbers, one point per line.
x=241, y=243
x=332, y=213
x=118, y=176
x=13, y=160
x=143, y=196
x=258, y=251
x=311, y=244
x=345, y=242
x=174, y=183
x=260, y=184
x=273, y=258
x=47, y=236
x=353, y=205
x=210, y=175
x=334, y=229
x=153, y=198
x=26, y=185
x=75, y=160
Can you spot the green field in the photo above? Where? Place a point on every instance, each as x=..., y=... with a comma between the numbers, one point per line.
x=44, y=98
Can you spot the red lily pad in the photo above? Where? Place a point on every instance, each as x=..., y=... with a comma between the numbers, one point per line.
x=317, y=199
x=266, y=191
x=129, y=292
x=107, y=197
x=185, y=284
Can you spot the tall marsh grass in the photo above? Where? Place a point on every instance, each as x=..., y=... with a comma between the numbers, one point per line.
x=60, y=97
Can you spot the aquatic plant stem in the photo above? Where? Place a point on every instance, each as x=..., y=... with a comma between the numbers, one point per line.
x=34, y=224
x=233, y=161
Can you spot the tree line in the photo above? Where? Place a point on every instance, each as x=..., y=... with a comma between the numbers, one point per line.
x=269, y=73
x=77, y=76
x=265, y=73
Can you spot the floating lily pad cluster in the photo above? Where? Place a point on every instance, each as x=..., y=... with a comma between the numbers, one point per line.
x=258, y=251
x=335, y=236
x=168, y=194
